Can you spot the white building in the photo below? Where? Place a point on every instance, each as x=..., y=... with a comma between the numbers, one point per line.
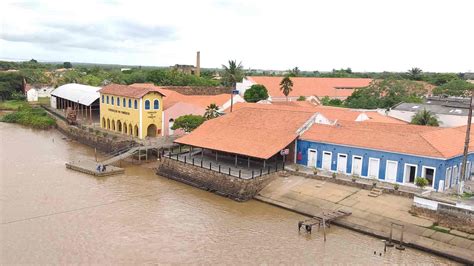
x=33, y=92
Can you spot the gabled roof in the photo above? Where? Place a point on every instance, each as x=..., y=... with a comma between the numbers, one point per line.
x=307, y=86
x=172, y=97
x=407, y=139
x=254, y=132
x=136, y=92
x=77, y=93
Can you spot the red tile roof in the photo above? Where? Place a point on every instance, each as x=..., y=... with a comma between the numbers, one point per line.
x=305, y=86
x=254, y=132
x=407, y=139
x=128, y=91
x=172, y=97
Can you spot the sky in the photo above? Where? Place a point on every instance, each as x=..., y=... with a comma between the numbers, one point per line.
x=365, y=35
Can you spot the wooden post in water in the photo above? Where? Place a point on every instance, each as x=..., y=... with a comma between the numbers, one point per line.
x=324, y=229
x=95, y=154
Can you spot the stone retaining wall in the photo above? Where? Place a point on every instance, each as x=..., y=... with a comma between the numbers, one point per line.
x=84, y=136
x=449, y=216
x=229, y=186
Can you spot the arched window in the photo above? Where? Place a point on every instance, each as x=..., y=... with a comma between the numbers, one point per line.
x=129, y=103
x=118, y=101
x=124, y=102
x=135, y=104
x=156, y=104
x=147, y=105
x=112, y=100
x=103, y=98
x=107, y=99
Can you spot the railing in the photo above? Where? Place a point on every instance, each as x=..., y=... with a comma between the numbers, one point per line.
x=118, y=152
x=225, y=169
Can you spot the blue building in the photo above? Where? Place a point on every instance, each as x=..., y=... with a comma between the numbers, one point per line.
x=390, y=152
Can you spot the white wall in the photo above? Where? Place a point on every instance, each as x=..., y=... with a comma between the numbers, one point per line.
x=33, y=94
x=53, y=102
x=236, y=99
x=446, y=120
x=243, y=86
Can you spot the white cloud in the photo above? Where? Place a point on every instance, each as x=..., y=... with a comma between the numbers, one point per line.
x=366, y=35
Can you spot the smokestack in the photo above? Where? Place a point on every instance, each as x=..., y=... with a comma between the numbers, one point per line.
x=198, y=64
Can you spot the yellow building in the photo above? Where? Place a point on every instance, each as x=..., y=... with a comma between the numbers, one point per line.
x=134, y=111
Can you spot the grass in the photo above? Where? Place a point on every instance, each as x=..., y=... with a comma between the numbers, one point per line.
x=12, y=104
x=34, y=117
x=467, y=195
x=436, y=228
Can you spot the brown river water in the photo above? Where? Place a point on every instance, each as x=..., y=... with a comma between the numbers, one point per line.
x=51, y=215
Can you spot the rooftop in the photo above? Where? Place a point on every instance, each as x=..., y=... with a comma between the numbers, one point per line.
x=77, y=93
x=248, y=131
x=307, y=86
x=408, y=139
x=129, y=91
x=434, y=108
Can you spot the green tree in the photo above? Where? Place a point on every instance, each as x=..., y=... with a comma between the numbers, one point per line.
x=256, y=93
x=232, y=73
x=295, y=72
x=286, y=86
x=455, y=87
x=67, y=65
x=212, y=111
x=415, y=73
x=10, y=82
x=425, y=118
x=439, y=79
x=188, y=122
x=301, y=98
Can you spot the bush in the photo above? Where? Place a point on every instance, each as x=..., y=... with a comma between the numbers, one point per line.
x=301, y=98
x=32, y=117
x=256, y=93
x=334, y=175
x=396, y=186
x=18, y=96
x=421, y=182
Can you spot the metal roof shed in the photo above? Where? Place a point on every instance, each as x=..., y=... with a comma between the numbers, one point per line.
x=77, y=93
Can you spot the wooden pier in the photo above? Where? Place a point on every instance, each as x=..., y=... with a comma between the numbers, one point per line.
x=323, y=219
x=90, y=167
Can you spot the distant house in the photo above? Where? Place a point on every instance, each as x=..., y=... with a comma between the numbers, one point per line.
x=176, y=104
x=335, y=88
x=35, y=91
x=451, y=112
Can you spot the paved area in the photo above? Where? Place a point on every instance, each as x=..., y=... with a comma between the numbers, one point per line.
x=370, y=215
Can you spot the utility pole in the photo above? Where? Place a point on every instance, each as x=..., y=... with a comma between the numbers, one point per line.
x=466, y=149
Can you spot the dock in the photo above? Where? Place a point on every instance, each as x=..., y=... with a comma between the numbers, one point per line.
x=322, y=219
x=90, y=168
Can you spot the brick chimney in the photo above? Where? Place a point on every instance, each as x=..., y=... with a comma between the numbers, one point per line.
x=198, y=64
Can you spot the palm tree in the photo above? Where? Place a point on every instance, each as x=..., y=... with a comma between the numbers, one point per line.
x=232, y=74
x=415, y=73
x=286, y=85
x=425, y=118
x=212, y=111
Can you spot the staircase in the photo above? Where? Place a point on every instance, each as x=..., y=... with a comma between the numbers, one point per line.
x=375, y=192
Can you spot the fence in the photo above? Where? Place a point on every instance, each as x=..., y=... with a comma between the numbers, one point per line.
x=226, y=168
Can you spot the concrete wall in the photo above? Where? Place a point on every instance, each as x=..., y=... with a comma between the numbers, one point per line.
x=199, y=90
x=402, y=159
x=233, y=187
x=448, y=216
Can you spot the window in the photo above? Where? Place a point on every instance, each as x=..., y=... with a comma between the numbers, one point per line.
x=112, y=100
x=103, y=98
x=135, y=104
x=107, y=99
x=129, y=103
x=118, y=101
x=124, y=103
x=156, y=104
x=147, y=105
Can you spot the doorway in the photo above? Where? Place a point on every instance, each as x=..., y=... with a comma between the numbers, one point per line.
x=447, y=178
x=327, y=160
x=374, y=167
x=429, y=174
x=391, y=171
x=410, y=173
x=312, y=155
x=357, y=165
x=342, y=163
x=151, y=130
